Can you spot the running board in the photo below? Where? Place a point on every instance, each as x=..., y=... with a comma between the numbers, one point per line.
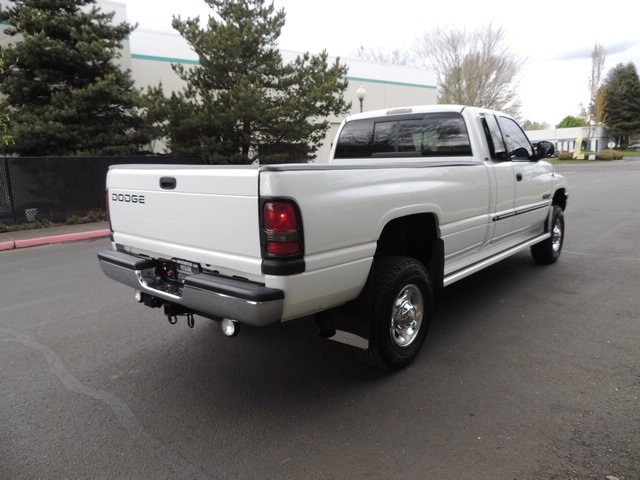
x=465, y=272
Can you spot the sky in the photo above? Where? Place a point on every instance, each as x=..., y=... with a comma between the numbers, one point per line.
x=555, y=38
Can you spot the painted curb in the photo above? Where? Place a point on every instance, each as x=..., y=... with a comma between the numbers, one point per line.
x=68, y=237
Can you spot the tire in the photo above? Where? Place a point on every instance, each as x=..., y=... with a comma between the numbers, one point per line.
x=548, y=251
x=401, y=308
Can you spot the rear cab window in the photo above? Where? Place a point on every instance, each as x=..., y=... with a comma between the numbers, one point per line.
x=442, y=134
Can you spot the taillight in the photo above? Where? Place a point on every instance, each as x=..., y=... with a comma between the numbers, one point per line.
x=280, y=217
x=281, y=228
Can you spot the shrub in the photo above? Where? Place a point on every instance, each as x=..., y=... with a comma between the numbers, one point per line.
x=89, y=217
x=609, y=155
x=38, y=223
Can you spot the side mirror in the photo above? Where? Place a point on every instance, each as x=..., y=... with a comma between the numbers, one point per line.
x=544, y=149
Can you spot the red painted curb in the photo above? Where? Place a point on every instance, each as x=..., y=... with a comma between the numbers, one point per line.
x=69, y=237
x=7, y=245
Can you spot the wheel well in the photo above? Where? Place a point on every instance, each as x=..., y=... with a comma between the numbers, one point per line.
x=414, y=236
x=560, y=198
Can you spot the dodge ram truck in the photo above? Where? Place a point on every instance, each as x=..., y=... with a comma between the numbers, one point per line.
x=411, y=200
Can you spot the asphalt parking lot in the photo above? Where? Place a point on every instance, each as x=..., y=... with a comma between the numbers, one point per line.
x=528, y=373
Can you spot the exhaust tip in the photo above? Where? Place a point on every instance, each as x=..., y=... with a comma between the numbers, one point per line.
x=230, y=328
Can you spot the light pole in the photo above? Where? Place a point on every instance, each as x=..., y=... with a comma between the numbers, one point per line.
x=360, y=93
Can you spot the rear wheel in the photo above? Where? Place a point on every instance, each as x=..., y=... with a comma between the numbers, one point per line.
x=548, y=251
x=402, y=302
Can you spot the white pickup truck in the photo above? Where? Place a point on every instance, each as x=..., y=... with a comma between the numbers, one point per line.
x=413, y=199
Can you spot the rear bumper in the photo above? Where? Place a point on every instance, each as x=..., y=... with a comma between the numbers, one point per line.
x=204, y=293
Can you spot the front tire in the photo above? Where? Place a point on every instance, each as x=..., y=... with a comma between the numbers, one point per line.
x=548, y=251
x=401, y=307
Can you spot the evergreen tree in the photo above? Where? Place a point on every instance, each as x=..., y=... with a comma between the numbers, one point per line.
x=65, y=92
x=5, y=137
x=241, y=102
x=155, y=106
x=622, y=102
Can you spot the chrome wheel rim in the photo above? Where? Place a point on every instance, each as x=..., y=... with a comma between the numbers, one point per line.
x=556, y=236
x=406, y=316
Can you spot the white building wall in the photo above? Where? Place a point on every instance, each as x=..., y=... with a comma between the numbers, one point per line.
x=564, y=139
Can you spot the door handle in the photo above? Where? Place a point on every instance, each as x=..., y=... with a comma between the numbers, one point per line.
x=519, y=177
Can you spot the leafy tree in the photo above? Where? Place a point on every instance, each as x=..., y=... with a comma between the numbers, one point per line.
x=583, y=113
x=598, y=57
x=570, y=121
x=64, y=90
x=473, y=67
x=598, y=106
x=622, y=102
x=242, y=102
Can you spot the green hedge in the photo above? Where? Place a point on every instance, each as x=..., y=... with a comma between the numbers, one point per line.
x=601, y=155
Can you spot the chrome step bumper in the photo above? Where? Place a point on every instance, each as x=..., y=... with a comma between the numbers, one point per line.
x=205, y=293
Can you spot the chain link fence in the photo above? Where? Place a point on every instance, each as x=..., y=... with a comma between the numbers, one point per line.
x=55, y=188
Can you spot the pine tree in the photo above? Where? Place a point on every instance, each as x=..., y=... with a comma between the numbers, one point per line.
x=241, y=101
x=5, y=137
x=65, y=92
x=622, y=102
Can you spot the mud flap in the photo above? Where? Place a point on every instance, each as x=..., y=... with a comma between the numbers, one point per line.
x=349, y=323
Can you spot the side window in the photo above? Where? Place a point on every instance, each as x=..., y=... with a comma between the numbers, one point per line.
x=355, y=140
x=494, y=138
x=517, y=142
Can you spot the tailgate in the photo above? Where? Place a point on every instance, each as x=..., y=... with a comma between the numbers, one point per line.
x=203, y=214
